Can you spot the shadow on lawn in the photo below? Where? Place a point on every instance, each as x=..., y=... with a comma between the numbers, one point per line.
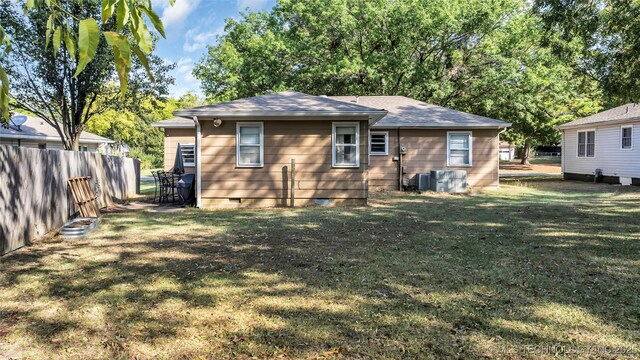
x=408, y=277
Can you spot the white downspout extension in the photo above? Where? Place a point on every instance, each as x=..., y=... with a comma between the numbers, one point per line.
x=562, y=151
x=500, y=133
x=198, y=163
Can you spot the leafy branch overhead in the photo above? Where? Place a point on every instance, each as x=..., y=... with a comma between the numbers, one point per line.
x=130, y=16
x=5, y=47
x=82, y=36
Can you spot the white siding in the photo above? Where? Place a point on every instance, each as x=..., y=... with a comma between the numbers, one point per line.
x=609, y=156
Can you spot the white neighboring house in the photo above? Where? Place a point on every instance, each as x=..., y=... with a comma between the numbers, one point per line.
x=36, y=133
x=507, y=151
x=605, y=146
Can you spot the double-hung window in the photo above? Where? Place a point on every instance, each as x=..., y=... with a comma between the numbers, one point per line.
x=346, y=144
x=250, y=144
x=626, y=134
x=379, y=143
x=587, y=143
x=188, y=154
x=459, y=148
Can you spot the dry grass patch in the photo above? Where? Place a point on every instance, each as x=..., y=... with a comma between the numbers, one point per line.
x=536, y=263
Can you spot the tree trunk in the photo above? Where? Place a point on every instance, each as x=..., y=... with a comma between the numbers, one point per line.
x=75, y=142
x=526, y=153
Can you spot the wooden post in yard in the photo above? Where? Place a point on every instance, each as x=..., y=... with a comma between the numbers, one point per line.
x=293, y=182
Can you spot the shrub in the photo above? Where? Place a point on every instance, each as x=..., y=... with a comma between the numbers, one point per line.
x=147, y=161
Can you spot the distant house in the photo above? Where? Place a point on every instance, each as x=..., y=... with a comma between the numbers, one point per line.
x=36, y=133
x=241, y=150
x=507, y=151
x=603, y=147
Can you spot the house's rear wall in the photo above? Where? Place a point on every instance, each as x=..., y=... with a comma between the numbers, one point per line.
x=427, y=150
x=609, y=156
x=173, y=137
x=308, y=142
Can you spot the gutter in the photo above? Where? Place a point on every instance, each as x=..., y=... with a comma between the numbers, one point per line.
x=198, y=163
x=173, y=125
x=444, y=127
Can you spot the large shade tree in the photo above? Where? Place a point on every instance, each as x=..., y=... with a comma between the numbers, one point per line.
x=80, y=35
x=48, y=83
x=491, y=57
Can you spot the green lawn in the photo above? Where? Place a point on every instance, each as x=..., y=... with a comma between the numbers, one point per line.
x=509, y=273
x=538, y=160
x=147, y=172
x=147, y=187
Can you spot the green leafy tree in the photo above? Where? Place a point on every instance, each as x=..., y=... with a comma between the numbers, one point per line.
x=131, y=126
x=68, y=22
x=610, y=33
x=414, y=48
x=529, y=84
x=494, y=58
x=48, y=84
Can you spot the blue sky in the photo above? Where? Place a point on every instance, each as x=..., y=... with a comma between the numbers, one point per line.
x=190, y=26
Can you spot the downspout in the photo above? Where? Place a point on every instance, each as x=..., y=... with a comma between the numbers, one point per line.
x=500, y=133
x=399, y=161
x=562, y=151
x=198, y=163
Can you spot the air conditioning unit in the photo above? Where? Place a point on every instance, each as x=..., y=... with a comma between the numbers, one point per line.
x=450, y=181
x=423, y=182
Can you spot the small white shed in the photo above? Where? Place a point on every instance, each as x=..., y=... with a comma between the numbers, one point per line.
x=604, y=147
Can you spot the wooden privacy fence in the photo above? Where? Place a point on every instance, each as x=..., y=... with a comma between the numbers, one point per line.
x=35, y=196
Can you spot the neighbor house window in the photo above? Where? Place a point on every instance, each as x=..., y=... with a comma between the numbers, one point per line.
x=84, y=148
x=346, y=144
x=250, y=144
x=587, y=143
x=42, y=146
x=627, y=137
x=188, y=154
x=379, y=143
x=459, y=148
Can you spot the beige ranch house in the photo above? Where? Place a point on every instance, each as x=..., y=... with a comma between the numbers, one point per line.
x=241, y=150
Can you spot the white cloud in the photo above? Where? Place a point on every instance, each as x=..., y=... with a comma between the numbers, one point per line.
x=184, y=71
x=195, y=40
x=252, y=4
x=184, y=65
x=176, y=14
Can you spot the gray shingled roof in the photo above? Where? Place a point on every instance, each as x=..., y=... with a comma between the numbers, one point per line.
x=409, y=113
x=174, y=123
x=287, y=103
x=618, y=114
x=37, y=129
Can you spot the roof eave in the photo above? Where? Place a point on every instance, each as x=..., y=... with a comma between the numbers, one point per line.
x=376, y=115
x=596, y=123
x=173, y=125
x=446, y=126
x=52, y=138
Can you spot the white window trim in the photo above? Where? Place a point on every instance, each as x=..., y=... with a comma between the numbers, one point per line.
x=188, y=164
x=333, y=144
x=621, y=133
x=470, y=133
x=595, y=140
x=386, y=143
x=238, y=126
